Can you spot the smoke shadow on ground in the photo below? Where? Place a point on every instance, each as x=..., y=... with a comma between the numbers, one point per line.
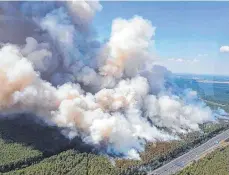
x=27, y=130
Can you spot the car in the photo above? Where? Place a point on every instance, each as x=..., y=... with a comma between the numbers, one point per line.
x=180, y=164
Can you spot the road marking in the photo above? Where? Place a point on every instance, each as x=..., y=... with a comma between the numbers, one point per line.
x=190, y=156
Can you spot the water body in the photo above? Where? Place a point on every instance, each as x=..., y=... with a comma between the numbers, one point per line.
x=210, y=87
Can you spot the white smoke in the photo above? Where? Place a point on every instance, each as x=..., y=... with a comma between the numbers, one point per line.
x=171, y=112
x=36, y=53
x=99, y=92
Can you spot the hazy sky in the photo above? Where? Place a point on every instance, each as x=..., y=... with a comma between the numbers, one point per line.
x=188, y=34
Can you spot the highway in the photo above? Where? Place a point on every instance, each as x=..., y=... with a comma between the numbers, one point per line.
x=181, y=162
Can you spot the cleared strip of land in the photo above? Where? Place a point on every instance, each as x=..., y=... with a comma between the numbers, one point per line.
x=195, y=154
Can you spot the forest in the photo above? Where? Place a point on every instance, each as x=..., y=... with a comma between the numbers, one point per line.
x=30, y=147
x=70, y=162
x=215, y=163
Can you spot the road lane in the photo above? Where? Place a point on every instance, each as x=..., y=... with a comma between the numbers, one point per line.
x=194, y=154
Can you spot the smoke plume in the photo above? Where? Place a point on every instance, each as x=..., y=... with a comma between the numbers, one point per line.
x=52, y=66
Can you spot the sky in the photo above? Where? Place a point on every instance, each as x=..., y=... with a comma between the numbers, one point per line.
x=188, y=36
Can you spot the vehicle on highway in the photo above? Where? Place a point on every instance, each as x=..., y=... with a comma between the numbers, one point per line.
x=180, y=164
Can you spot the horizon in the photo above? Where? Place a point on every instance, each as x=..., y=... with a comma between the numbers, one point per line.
x=89, y=82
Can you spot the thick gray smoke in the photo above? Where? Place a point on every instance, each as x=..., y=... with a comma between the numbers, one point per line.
x=52, y=66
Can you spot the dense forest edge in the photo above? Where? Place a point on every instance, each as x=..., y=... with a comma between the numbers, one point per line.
x=30, y=146
x=214, y=163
